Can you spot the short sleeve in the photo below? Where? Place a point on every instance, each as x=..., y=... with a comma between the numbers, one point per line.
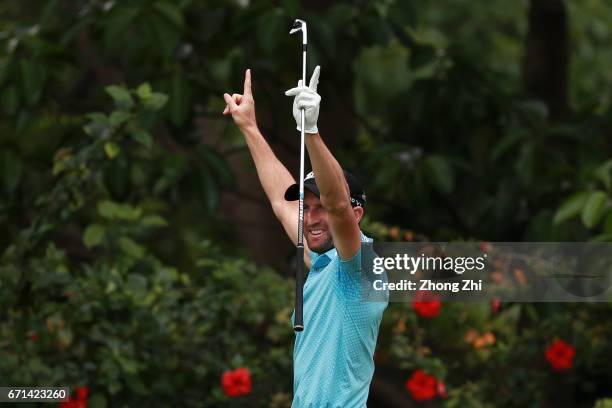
x=348, y=276
x=349, y=272
x=351, y=264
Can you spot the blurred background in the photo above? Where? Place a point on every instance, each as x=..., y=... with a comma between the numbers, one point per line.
x=141, y=260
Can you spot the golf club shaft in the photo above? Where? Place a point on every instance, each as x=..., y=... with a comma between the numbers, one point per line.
x=299, y=273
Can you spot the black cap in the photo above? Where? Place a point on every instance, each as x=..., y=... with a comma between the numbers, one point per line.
x=357, y=193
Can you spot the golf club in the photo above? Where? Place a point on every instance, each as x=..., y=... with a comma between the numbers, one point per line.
x=298, y=324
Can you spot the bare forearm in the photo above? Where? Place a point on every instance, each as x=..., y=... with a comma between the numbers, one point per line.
x=328, y=173
x=273, y=175
x=275, y=179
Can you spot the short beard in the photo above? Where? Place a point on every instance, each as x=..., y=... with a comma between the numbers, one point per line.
x=324, y=247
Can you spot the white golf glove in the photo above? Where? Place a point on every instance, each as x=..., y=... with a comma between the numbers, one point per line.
x=306, y=97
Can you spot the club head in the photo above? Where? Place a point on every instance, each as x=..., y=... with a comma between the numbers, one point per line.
x=297, y=26
x=300, y=25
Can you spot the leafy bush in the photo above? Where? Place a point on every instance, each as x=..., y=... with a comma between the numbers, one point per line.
x=134, y=328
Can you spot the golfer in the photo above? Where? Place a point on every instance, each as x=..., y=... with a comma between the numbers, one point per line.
x=333, y=357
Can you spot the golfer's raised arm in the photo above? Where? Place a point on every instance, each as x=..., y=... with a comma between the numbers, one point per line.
x=334, y=192
x=273, y=175
x=334, y=197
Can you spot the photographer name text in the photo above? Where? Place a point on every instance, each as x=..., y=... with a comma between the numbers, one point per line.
x=467, y=285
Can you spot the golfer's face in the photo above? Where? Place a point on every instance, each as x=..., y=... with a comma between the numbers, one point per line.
x=316, y=229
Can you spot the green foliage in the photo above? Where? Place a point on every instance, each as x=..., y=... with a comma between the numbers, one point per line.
x=593, y=206
x=603, y=403
x=131, y=326
x=489, y=373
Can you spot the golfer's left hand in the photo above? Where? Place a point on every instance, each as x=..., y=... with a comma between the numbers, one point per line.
x=242, y=106
x=307, y=98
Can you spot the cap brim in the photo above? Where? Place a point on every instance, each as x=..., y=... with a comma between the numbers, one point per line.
x=293, y=192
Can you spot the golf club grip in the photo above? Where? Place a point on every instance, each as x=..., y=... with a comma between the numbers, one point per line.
x=298, y=323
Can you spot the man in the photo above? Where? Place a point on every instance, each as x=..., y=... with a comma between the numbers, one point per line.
x=333, y=356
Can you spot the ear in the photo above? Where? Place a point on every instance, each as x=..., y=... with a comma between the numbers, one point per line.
x=358, y=213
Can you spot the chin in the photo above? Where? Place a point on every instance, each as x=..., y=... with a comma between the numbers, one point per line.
x=321, y=246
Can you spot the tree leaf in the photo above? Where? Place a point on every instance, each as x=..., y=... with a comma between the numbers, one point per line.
x=107, y=209
x=155, y=102
x=570, y=207
x=603, y=174
x=121, y=96
x=94, y=235
x=117, y=118
x=98, y=117
x=594, y=208
x=142, y=136
x=97, y=130
x=154, y=221
x=131, y=248
x=144, y=91
x=128, y=212
x=111, y=149
x=111, y=210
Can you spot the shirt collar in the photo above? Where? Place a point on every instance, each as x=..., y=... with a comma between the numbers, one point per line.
x=319, y=261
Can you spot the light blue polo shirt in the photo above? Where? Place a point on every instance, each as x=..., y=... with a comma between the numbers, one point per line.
x=333, y=357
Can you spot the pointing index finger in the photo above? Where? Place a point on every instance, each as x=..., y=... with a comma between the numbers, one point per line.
x=247, y=82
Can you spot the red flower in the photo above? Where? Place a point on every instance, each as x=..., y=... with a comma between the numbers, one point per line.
x=426, y=304
x=422, y=386
x=80, y=401
x=82, y=392
x=442, y=389
x=495, y=305
x=560, y=355
x=236, y=383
